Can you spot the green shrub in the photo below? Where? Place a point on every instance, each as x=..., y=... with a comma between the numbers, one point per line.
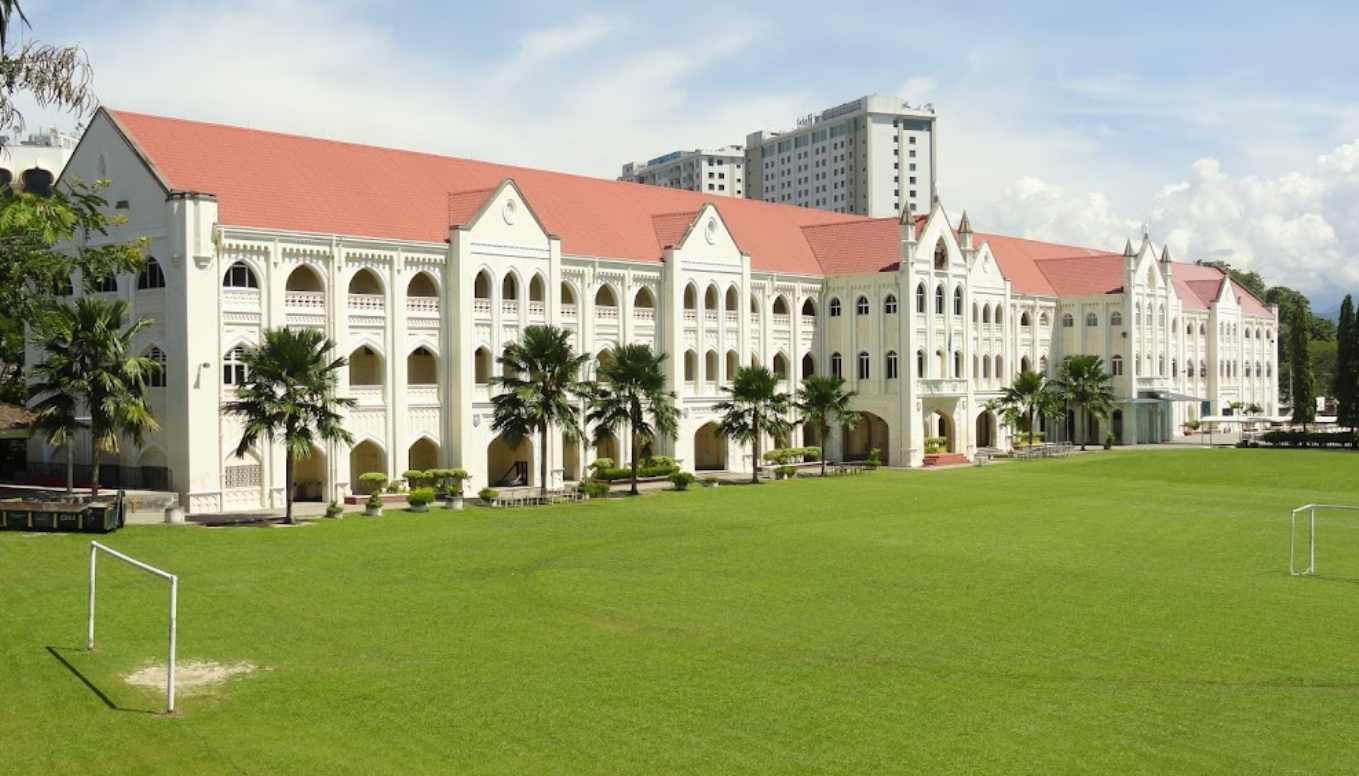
x=594, y=489
x=397, y=485
x=935, y=445
x=1192, y=425
x=660, y=470
x=873, y=461
x=374, y=481
x=374, y=501
x=682, y=480
x=787, y=455
x=417, y=478
x=787, y=472
x=488, y=495
x=602, y=463
x=420, y=497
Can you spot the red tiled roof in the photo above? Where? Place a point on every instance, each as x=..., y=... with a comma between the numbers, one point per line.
x=1017, y=258
x=861, y=246
x=1084, y=276
x=1203, y=285
x=463, y=205
x=670, y=227
x=291, y=183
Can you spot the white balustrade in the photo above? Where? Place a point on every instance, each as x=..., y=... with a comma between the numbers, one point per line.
x=691, y=316
x=570, y=312
x=606, y=313
x=537, y=310
x=710, y=317
x=241, y=299
x=367, y=395
x=423, y=395
x=509, y=307
x=305, y=300
x=644, y=314
x=423, y=306
x=481, y=307
x=367, y=303
x=782, y=321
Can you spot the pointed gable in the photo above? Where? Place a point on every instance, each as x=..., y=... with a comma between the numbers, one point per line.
x=863, y=246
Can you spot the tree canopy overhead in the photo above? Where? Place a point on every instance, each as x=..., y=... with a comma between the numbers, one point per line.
x=56, y=77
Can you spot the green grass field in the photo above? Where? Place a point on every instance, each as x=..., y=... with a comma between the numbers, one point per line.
x=1124, y=612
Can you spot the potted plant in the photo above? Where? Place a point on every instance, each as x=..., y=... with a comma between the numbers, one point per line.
x=374, y=482
x=453, y=480
x=417, y=478
x=1108, y=440
x=489, y=496
x=711, y=481
x=873, y=461
x=786, y=472
x=334, y=510
x=420, y=499
x=682, y=480
x=373, y=506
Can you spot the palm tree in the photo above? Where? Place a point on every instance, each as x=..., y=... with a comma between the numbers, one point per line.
x=1029, y=396
x=632, y=393
x=288, y=395
x=756, y=407
x=1083, y=385
x=86, y=363
x=822, y=399
x=538, y=390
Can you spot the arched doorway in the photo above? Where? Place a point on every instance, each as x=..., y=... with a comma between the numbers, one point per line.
x=570, y=458
x=939, y=424
x=710, y=449
x=365, y=457
x=609, y=449
x=872, y=432
x=311, y=480
x=508, y=466
x=986, y=429
x=423, y=455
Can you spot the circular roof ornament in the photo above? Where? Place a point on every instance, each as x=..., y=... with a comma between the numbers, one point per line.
x=510, y=211
x=710, y=231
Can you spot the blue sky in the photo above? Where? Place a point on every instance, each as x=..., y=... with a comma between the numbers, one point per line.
x=1231, y=132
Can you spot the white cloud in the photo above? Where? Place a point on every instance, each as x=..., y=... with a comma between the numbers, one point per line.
x=1298, y=229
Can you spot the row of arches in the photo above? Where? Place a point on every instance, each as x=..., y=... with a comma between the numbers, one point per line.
x=151, y=276
x=305, y=278
x=367, y=366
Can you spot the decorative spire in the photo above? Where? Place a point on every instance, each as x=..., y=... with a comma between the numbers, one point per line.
x=1128, y=251
x=965, y=226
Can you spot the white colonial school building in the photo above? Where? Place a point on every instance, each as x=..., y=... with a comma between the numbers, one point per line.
x=422, y=267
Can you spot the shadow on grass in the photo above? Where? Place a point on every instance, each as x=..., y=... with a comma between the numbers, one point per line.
x=56, y=653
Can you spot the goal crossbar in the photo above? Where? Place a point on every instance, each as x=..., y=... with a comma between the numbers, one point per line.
x=95, y=549
x=1311, y=510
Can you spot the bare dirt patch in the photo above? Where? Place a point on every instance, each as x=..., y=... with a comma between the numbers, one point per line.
x=194, y=676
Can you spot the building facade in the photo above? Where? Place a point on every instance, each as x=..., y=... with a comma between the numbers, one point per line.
x=422, y=285
x=34, y=163
x=720, y=172
x=873, y=156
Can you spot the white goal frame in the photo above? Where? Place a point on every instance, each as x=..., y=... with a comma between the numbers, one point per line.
x=95, y=549
x=1311, y=510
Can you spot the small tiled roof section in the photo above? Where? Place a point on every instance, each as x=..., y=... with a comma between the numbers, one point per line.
x=1018, y=259
x=270, y=180
x=14, y=417
x=862, y=246
x=1084, y=276
x=670, y=227
x=1199, y=286
x=463, y=205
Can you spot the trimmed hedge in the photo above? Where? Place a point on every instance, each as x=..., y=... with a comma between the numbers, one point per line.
x=654, y=470
x=1291, y=438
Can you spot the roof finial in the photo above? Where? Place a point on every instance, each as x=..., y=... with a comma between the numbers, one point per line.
x=965, y=226
x=1128, y=252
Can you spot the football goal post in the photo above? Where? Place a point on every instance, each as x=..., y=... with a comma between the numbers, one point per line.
x=1308, y=514
x=95, y=549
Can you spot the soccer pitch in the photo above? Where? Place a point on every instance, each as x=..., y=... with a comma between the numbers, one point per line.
x=1121, y=612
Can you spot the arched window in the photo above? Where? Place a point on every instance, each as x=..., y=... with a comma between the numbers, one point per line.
x=1043, y=364
x=1000, y=366
x=1269, y=369
x=157, y=378
x=808, y=309
x=940, y=255
x=920, y=363
x=958, y=301
x=643, y=300
x=1115, y=318
x=710, y=299
x=837, y=365
x=986, y=313
x=104, y=285
x=998, y=321
x=239, y=275
x=835, y=307
x=1068, y=321
x=986, y=367
x=365, y=283
x=939, y=299
x=1091, y=319
x=889, y=305
x=481, y=366
x=1024, y=321
x=1189, y=329
x=690, y=297
x=1203, y=369
x=1203, y=330
x=690, y=366
x=920, y=298
x=604, y=297
x=509, y=288
x=1025, y=364
x=861, y=306
x=976, y=313
x=38, y=181
x=780, y=305
x=1116, y=366
x=152, y=276
x=1174, y=367
x=422, y=368
x=1043, y=319
x=233, y=366
x=481, y=287
x=893, y=366
x=957, y=363
x=732, y=301
x=863, y=366
x=1137, y=315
